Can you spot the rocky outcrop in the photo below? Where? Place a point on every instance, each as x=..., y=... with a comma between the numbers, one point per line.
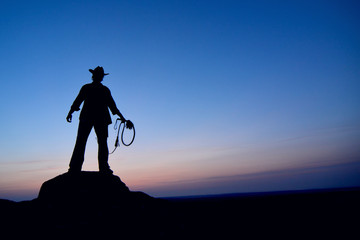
x=85, y=205
x=84, y=188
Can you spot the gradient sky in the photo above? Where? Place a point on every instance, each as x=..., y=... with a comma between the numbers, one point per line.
x=226, y=96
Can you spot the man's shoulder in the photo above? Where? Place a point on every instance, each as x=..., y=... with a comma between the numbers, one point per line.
x=105, y=88
x=88, y=85
x=96, y=87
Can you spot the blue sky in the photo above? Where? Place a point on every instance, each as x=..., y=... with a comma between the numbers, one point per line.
x=226, y=96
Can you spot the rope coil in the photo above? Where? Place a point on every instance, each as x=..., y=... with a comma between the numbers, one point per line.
x=127, y=124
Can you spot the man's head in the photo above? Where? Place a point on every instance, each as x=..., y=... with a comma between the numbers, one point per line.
x=98, y=74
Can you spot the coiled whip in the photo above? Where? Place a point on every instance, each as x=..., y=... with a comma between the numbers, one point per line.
x=127, y=124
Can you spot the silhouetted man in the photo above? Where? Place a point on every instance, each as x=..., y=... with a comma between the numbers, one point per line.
x=97, y=99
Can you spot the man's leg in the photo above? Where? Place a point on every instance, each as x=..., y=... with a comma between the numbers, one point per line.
x=77, y=158
x=101, y=131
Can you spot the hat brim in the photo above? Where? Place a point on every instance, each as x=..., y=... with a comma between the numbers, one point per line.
x=92, y=71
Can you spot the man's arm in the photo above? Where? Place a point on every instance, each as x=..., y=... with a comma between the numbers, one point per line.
x=76, y=105
x=114, y=110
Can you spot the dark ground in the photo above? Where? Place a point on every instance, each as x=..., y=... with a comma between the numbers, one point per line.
x=317, y=214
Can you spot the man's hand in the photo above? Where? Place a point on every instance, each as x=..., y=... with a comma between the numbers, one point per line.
x=129, y=124
x=69, y=118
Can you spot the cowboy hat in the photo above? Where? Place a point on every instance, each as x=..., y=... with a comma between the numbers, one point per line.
x=98, y=71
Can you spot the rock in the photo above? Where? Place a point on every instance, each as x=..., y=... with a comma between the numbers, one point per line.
x=87, y=188
x=87, y=205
